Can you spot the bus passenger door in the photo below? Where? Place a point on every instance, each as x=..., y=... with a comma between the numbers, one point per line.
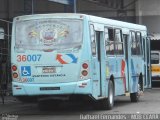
x=145, y=63
x=126, y=52
x=96, y=38
x=148, y=50
x=147, y=67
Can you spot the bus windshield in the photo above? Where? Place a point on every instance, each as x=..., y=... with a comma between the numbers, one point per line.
x=154, y=58
x=42, y=34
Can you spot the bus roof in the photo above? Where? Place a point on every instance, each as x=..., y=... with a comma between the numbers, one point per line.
x=91, y=18
x=117, y=23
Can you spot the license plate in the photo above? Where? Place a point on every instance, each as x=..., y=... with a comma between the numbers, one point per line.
x=49, y=88
x=49, y=70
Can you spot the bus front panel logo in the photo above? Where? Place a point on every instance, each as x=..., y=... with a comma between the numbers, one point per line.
x=25, y=70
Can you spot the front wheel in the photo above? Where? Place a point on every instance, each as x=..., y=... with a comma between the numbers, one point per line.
x=140, y=85
x=134, y=97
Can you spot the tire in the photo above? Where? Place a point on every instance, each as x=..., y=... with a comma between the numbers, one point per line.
x=110, y=99
x=140, y=85
x=134, y=97
x=107, y=103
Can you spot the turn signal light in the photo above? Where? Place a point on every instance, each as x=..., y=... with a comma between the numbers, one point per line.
x=15, y=75
x=84, y=73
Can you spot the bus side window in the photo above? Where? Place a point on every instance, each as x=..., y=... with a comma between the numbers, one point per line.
x=93, y=40
x=118, y=42
x=139, y=43
x=133, y=43
x=109, y=41
x=106, y=39
x=136, y=41
x=144, y=48
x=125, y=39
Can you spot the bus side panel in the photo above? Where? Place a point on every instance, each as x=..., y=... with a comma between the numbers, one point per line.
x=136, y=66
x=120, y=82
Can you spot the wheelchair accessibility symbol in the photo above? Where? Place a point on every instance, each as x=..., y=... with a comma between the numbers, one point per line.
x=25, y=70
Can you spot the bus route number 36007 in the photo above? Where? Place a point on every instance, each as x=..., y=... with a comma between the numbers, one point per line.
x=29, y=58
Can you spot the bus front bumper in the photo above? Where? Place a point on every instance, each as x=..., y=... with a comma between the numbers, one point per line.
x=35, y=89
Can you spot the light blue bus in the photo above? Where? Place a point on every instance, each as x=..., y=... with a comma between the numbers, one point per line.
x=67, y=56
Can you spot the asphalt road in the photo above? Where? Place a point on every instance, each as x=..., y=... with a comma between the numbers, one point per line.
x=149, y=103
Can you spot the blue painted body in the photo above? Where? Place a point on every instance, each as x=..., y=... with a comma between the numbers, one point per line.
x=68, y=64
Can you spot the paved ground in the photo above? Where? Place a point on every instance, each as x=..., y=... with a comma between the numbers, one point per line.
x=149, y=103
